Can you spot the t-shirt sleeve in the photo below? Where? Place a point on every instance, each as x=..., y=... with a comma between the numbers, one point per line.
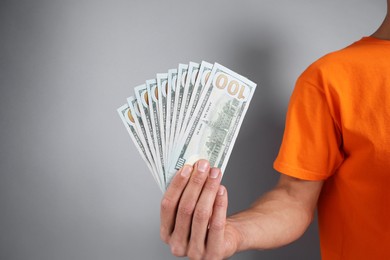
x=311, y=146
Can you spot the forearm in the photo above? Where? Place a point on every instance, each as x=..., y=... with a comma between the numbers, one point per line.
x=276, y=219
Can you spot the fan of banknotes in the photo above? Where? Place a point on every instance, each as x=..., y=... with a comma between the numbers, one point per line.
x=189, y=113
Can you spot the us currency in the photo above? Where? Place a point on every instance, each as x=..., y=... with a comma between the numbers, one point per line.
x=135, y=115
x=179, y=92
x=172, y=83
x=200, y=81
x=211, y=133
x=162, y=85
x=154, y=94
x=143, y=99
x=128, y=120
x=192, y=73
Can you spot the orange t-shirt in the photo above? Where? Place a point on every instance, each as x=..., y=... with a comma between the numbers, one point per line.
x=338, y=130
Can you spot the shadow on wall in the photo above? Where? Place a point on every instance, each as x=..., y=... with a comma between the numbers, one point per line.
x=249, y=173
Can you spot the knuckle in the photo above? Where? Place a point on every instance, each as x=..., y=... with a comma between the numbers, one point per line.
x=197, y=180
x=202, y=214
x=194, y=255
x=164, y=236
x=178, y=251
x=211, y=185
x=217, y=225
x=220, y=204
x=176, y=184
x=195, y=251
x=185, y=210
x=167, y=204
x=212, y=256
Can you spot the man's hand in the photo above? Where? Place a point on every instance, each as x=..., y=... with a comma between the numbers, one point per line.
x=193, y=214
x=194, y=223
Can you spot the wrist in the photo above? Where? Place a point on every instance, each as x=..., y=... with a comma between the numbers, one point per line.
x=234, y=231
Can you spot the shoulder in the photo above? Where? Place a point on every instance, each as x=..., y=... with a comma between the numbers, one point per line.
x=335, y=65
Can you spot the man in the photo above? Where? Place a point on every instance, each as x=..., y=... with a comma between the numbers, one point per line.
x=335, y=154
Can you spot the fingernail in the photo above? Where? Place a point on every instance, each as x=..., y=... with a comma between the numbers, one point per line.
x=186, y=171
x=214, y=173
x=203, y=166
x=221, y=190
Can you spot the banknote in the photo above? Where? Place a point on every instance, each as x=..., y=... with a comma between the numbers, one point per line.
x=180, y=84
x=128, y=120
x=143, y=99
x=159, y=142
x=192, y=73
x=200, y=81
x=172, y=82
x=214, y=128
x=135, y=116
x=162, y=85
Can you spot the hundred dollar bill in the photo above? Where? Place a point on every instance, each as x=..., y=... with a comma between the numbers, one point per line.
x=181, y=78
x=162, y=84
x=172, y=83
x=200, y=82
x=128, y=120
x=154, y=94
x=135, y=114
x=193, y=69
x=213, y=129
x=143, y=99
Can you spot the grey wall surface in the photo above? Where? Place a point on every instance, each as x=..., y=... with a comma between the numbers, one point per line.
x=72, y=185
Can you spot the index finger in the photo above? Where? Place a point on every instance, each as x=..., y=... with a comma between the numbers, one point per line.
x=170, y=201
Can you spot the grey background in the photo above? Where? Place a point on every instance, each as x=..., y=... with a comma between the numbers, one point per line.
x=72, y=185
